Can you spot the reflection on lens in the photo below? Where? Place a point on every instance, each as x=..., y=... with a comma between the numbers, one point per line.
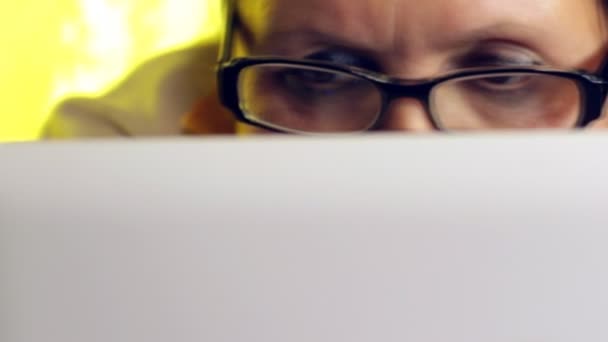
x=507, y=101
x=308, y=99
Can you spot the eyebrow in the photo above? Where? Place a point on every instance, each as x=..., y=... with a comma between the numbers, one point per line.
x=285, y=41
x=320, y=35
x=519, y=33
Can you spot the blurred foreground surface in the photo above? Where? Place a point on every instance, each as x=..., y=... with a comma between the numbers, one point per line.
x=429, y=239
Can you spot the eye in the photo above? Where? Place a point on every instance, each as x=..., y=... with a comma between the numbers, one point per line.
x=493, y=54
x=504, y=82
x=310, y=78
x=317, y=82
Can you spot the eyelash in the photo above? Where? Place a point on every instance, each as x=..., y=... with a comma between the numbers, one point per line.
x=497, y=60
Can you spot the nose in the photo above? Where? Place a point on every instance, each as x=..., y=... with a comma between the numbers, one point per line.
x=406, y=114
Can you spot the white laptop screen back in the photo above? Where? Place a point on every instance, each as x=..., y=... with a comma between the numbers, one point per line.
x=426, y=239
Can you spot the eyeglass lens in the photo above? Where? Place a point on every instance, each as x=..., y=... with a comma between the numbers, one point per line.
x=308, y=99
x=507, y=101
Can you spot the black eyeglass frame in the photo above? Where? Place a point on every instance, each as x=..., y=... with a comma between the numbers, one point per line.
x=593, y=87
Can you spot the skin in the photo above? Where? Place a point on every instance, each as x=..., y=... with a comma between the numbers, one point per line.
x=413, y=39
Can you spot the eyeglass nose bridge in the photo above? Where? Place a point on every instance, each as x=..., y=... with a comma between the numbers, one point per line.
x=407, y=89
x=420, y=91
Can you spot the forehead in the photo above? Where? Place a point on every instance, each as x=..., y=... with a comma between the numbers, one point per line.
x=340, y=7
x=384, y=18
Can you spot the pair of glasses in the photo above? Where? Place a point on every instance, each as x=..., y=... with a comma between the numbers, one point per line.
x=315, y=97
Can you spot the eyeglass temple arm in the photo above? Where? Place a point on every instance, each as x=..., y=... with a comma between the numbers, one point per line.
x=225, y=48
x=603, y=73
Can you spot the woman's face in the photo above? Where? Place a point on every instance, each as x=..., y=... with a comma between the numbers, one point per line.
x=414, y=39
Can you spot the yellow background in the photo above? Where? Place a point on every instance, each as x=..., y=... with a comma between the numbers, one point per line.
x=54, y=48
